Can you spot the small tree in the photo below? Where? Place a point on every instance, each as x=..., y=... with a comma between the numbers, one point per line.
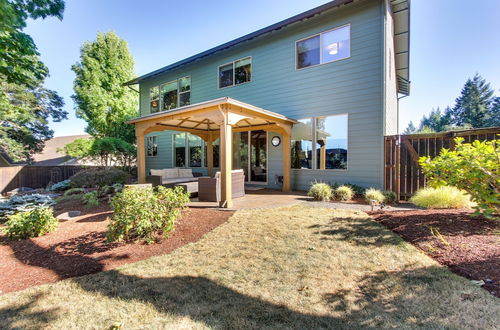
x=473, y=167
x=107, y=151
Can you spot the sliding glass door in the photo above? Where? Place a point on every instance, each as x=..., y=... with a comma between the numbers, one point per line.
x=250, y=154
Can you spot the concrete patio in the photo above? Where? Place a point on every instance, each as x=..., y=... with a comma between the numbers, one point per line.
x=271, y=198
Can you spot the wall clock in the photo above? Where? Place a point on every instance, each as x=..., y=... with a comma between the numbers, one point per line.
x=275, y=141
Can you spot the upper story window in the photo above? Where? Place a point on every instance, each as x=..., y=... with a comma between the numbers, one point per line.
x=154, y=99
x=235, y=73
x=171, y=95
x=325, y=47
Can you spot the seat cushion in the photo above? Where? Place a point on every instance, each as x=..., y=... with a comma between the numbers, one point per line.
x=157, y=172
x=185, y=173
x=178, y=180
x=170, y=173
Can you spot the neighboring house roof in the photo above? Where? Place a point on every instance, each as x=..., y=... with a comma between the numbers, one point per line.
x=5, y=160
x=51, y=157
x=401, y=9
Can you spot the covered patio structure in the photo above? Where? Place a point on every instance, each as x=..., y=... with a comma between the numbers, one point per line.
x=210, y=120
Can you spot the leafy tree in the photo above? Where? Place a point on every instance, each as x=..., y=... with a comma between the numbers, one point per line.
x=473, y=167
x=100, y=98
x=473, y=106
x=107, y=151
x=410, y=129
x=24, y=116
x=26, y=106
x=19, y=58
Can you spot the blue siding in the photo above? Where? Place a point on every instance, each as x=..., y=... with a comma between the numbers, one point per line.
x=352, y=85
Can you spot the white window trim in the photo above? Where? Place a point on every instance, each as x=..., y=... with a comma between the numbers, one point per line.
x=233, y=62
x=320, y=34
x=314, y=139
x=152, y=137
x=178, y=93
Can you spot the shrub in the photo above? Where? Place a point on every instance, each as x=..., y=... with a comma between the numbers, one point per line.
x=99, y=178
x=390, y=197
x=472, y=167
x=372, y=194
x=444, y=197
x=358, y=190
x=31, y=224
x=60, y=186
x=90, y=199
x=320, y=191
x=143, y=213
x=74, y=191
x=343, y=193
x=22, y=203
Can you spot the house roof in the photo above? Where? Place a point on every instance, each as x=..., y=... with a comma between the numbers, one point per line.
x=401, y=12
x=51, y=157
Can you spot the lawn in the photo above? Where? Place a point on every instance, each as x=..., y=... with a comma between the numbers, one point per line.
x=295, y=267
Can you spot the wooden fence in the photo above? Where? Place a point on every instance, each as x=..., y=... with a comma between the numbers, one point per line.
x=34, y=176
x=403, y=174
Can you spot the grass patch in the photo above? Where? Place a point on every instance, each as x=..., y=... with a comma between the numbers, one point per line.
x=295, y=267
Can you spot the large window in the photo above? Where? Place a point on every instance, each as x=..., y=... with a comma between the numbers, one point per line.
x=302, y=137
x=195, y=150
x=171, y=95
x=324, y=47
x=190, y=151
x=151, y=146
x=235, y=73
x=329, y=151
x=154, y=99
x=331, y=142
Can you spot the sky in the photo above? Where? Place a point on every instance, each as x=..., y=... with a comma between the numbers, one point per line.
x=450, y=41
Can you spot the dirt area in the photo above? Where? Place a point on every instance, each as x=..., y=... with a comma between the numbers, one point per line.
x=79, y=247
x=469, y=246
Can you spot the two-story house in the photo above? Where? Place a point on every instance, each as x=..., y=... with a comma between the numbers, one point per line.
x=309, y=98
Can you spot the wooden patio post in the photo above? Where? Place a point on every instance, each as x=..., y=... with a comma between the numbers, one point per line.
x=226, y=157
x=141, y=154
x=287, y=158
x=210, y=155
x=322, y=155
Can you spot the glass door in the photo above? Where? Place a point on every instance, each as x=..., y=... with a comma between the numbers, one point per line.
x=250, y=154
x=258, y=156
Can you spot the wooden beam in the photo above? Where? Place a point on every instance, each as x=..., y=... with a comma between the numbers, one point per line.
x=226, y=157
x=271, y=127
x=162, y=127
x=210, y=155
x=287, y=161
x=141, y=154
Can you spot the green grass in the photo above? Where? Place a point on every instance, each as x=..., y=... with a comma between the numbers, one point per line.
x=295, y=267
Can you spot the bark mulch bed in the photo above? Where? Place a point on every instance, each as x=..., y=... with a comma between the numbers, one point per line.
x=469, y=246
x=78, y=247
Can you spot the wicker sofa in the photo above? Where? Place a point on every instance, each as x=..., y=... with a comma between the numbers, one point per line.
x=209, y=188
x=170, y=177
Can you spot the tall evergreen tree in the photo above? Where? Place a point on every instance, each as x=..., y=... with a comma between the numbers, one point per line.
x=473, y=105
x=100, y=98
x=495, y=113
x=410, y=129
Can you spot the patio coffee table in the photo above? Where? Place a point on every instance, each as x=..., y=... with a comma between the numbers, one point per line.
x=190, y=187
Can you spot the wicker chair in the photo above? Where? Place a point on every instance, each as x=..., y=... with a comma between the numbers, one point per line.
x=209, y=188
